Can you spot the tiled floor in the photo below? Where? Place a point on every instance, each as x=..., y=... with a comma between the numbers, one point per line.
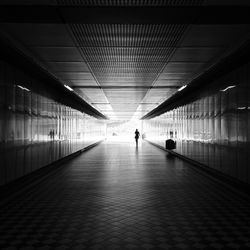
x=117, y=196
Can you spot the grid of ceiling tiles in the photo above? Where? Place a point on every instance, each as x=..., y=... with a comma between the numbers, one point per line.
x=139, y=3
x=126, y=59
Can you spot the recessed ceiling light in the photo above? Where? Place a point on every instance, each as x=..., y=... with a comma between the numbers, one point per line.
x=241, y=108
x=181, y=88
x=68, y=87
x=227, y=88
x=23, y=88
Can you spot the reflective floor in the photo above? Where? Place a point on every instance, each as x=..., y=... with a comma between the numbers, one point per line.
x=119, y=196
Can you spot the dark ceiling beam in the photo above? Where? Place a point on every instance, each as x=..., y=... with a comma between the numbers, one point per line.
x=123, y=87
x=204, y=83
x=126, y=15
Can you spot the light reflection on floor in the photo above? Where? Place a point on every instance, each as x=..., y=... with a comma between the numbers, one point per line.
x=122, y=138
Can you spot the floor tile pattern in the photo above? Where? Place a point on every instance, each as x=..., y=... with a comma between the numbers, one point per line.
x=119, y=196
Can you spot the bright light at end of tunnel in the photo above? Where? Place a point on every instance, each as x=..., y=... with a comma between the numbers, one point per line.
x=68, y=87
x=227, y=88
x=181, y=88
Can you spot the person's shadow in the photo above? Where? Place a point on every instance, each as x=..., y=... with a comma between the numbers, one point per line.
x=170, y=156
x=136, y=152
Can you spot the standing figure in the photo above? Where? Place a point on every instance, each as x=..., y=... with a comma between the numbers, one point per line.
x=137, y=135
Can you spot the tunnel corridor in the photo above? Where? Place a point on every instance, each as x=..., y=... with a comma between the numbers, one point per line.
x=93, y=92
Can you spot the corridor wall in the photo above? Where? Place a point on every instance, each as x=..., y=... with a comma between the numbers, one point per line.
x=213, y=129
x=36, y=130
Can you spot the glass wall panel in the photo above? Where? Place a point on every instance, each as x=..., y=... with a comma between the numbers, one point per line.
x=36, y=130
x=214, y=129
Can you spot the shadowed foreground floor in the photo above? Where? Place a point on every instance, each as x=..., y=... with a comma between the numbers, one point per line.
x=117, y=196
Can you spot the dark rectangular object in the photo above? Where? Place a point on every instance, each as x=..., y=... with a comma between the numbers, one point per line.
x=170, y=144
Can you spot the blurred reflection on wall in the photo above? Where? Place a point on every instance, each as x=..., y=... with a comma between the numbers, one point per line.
x=215, y=128
x=35, y=130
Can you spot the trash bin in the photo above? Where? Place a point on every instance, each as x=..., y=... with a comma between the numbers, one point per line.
x=170, y=144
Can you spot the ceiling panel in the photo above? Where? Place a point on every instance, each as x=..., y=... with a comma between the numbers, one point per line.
x=173, y=76
x=195, y=54
x=182, y=67
x=126, y=55
x=140, y=3
x=75, y=75
x=62, y=54
x=95, y=95
x=69, y=66
x=214, y=35
x=29, y=2
x=169, y=82
x=126, y=83
x=146, y=108
x=158, y=95
x=103, y=107
x=83, y=83
x=38, y=34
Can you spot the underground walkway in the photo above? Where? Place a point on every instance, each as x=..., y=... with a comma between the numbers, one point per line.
x=117, y=196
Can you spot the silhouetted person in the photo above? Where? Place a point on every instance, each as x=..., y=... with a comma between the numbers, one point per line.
x=137, y=135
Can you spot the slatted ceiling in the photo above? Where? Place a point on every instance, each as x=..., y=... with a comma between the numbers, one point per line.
x=62, y=54
x=158, y=95
x=75, y=75
x=142, y=84
x=124, y=99
x=40, y=34
x=95, y=95
x=196, y=54
x=128, y=109
x=214, y=35
x=124, y=113
x=120, y=53
x=127, y=58
x=130, y=55
x=69, y=66
x=121, y=108
x=173, y=76
x=182, y=67
x=103, y=107
x=28, y=2
x=82, y=83
x=134, y=75
x=169, y=82
x=125, y=79
x=122, y=35
x=138, y=93
x=139, y=3
x=128, y=106
x=110, y=66
x=126, y=55
x=158, y=99
x=146, y=108
x=127, y=70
